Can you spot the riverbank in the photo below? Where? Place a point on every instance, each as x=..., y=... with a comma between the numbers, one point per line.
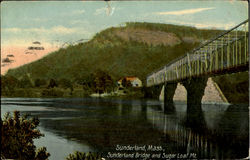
x=237, y=93
x=57, y=92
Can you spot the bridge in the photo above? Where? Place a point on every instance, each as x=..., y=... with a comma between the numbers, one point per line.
x=226, y=53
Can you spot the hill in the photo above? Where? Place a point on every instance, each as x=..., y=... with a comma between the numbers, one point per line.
x=135, y=49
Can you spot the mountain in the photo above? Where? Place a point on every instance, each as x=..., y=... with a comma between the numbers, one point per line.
x=135, y=49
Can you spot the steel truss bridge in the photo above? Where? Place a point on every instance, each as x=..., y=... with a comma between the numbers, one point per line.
x=227, y=53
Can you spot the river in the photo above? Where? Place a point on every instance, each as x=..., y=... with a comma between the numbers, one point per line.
x=100, y=125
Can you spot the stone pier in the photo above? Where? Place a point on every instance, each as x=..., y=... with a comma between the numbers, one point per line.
x=169, y=90
x=195, y=90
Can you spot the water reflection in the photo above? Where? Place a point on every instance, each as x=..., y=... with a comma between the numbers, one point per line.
x=195, y=120
x=228, y=139
x=225, y=137
x=56, y=144
x=233, y=132
x=212, y=131
x=143, y=112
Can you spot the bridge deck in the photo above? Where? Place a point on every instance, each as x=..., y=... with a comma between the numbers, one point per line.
x=226, y=53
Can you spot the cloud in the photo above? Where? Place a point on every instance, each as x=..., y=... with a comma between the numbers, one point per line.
x=25, y=42
x=54, y=30
x=207, y=25
x=108, y=10
x=225, y=26
x=73, y=13
x=183, y=12
x=76, y=12
x=79, y=22
x=100, y=11
x=40, y=19
x=24, y=36
x=63, y=30
x=12, y=30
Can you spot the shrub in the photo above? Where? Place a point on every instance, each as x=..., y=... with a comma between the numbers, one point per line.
x=8, y=85
x=52, y=93
x=25, y=82
x=17, y=135
x=83, y=156
x=40, y=82
x=65, y=83
x=52, y=83
x=24, y=93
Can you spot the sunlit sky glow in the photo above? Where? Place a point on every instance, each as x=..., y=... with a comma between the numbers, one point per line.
x=55, y=22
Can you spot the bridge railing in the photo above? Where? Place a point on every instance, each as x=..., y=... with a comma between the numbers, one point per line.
x=228, y=50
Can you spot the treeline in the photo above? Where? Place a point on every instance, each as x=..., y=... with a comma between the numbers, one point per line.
x=97, y=82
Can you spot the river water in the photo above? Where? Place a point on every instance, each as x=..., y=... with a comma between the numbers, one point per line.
x=101, y=125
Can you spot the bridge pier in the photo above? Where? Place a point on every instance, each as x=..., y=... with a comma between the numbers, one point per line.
x=152, y=92
x=169, y=90
x=195, y=90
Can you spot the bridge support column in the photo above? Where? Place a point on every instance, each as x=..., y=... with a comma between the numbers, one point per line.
x=195, y=90
x=152, y=92
x=169, y=90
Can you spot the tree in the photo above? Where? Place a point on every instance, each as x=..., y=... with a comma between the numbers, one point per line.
x=17, y=135
x=25, y=82
x=8, y=85
x=65, y=84
x=87, y=82
x=82, y=156
x=52, y=83
x=103, y=81
x=40, y=82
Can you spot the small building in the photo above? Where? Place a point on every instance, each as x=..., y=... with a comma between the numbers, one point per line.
x=134, y=81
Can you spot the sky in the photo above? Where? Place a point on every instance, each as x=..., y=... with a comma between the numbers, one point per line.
x=54, y=23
